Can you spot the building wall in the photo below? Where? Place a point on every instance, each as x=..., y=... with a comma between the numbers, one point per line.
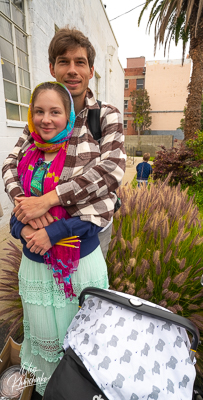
x=42, y=16
x=166, y=83
x=135, y=70
x=136, y=62
x=92, y=20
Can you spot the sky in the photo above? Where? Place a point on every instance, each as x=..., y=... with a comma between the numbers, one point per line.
x=133, y=41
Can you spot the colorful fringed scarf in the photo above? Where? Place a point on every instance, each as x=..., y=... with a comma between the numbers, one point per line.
x=64, y=256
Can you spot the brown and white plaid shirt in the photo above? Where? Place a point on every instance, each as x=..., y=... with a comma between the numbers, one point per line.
x=92, y=170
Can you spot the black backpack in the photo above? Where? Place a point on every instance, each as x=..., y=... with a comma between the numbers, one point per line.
x=93, y=120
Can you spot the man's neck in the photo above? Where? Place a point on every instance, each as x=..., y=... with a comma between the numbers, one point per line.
x=79, y=104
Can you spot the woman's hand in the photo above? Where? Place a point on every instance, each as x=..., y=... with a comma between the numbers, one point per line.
x=26, y=231
x=29, y=208
x=41, y=222
x=38, y=242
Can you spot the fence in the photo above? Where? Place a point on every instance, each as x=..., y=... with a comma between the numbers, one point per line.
x=149, y=143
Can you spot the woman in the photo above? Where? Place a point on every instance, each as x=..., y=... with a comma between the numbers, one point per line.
x=53, y=269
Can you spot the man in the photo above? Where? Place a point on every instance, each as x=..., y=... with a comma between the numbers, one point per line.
x=144, y=170
x=94, y=170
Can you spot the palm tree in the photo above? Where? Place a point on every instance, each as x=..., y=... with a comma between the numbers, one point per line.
x=182, y=20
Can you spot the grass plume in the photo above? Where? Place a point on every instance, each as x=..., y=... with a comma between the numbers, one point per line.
x=162, y=230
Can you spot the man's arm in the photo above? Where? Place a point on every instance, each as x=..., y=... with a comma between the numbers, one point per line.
x=95, y=182
x=32, y=208
x=11, y=179
x=9, y=171
x=106, y=176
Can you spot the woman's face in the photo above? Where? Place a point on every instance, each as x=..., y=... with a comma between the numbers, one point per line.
x=49, y=115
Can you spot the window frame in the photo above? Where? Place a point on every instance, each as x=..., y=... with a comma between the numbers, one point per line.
x=126, y=83
x=22, y=74
x=125, y=124
x=125, y=104
x=139, y=85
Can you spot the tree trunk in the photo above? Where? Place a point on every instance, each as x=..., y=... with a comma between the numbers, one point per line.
x=139, y=139
x=195, y=87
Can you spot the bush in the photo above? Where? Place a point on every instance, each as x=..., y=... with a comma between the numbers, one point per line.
x=156, y=250
x=196, y=191
x=180, y=162
x=196, y=144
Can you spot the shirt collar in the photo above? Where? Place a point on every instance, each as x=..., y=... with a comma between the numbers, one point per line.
x=90, y=101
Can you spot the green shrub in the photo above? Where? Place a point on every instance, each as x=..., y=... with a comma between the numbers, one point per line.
x=196, y=191
x=156, y=250
x=196, y=144
x=134, y=181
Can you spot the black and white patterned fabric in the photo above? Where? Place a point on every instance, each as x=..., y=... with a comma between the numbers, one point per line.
x=131, y=356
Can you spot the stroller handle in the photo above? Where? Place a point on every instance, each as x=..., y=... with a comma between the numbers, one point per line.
x=141, y=308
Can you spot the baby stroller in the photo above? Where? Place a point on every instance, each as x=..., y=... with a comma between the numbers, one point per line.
x=121, y=347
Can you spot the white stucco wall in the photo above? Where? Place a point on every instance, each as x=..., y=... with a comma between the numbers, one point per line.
x=90, y=17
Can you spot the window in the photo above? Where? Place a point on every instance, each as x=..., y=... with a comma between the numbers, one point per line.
x=140, y=83
x=125, y=104
x=14, y=59
x=126, y=83
x=125, y=124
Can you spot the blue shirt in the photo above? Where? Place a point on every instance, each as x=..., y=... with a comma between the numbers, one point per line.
x=143, y=171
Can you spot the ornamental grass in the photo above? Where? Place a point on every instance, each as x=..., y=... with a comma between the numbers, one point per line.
x=13, y=312
x=156, y=250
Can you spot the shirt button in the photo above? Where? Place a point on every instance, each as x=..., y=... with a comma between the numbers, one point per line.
x=68, y=202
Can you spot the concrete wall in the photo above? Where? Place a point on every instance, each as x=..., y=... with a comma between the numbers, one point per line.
x=178, y=134
x=149, y=143
x=42, y=15
x=166, y=83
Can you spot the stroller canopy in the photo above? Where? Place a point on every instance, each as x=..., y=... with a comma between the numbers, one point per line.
x=131, y=356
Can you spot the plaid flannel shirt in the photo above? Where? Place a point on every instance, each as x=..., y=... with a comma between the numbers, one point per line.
x=92, y=170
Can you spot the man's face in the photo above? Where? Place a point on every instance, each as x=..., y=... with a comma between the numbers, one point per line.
x=72, y=69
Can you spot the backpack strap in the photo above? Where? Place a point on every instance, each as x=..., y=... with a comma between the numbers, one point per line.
x=93, y=120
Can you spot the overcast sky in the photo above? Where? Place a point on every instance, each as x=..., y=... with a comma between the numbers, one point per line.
x=133, y=41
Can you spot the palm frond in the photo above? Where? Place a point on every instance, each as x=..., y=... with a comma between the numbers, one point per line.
x=142, y=11
x=175, y=15
x=190, y=5
x=199, y=13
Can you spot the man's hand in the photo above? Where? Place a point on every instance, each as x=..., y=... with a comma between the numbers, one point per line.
x=29, y=208
x=38, y=242
x=16, y=202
